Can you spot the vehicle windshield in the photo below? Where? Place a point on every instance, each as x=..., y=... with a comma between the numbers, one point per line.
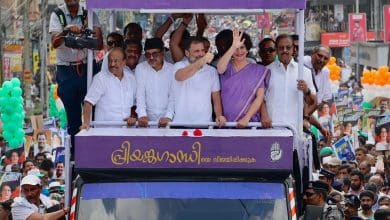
x=183, y=200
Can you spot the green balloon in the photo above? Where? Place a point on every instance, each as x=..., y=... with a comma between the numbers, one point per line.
x=16, y=92
x=12, y=127
x=5, y=118
x=16, y=117
x=367, y=105
x=2, y=101
x=7, y=85
x=7, y=135
x=13, y=143
x=15, y=82
x=14, y=101
x=20, y=132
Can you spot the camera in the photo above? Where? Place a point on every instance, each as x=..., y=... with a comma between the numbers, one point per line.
x=84, y=40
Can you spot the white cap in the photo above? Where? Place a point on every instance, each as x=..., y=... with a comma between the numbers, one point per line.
x=334, y=161
x=54, y=184
x=31, y=180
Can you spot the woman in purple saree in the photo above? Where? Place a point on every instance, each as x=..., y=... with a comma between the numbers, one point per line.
x=242, y=83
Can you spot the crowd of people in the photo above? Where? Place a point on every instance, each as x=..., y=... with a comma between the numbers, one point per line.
x=34, y=170
x=141, y=82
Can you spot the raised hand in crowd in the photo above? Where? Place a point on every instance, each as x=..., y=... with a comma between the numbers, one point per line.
x=201, y=23
x=167, y=24
x=174, y=43
x=238, y=41
x=208, y=57
x=187, y=18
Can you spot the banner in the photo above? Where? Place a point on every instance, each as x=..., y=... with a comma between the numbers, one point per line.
x=10, y=185
x=137, y=152
x=357, y=27
x=343, y=149
x=60, y=155
x=386, y=23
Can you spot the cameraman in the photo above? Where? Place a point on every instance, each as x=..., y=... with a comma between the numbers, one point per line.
x=71, y=63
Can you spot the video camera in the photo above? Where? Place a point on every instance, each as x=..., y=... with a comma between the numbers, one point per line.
x=84, y=40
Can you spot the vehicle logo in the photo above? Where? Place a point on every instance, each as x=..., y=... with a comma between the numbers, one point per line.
x=276, y=152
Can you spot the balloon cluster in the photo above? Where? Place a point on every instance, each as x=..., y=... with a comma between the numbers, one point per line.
x=380, y=77
x=334, y=69
x=12, y=112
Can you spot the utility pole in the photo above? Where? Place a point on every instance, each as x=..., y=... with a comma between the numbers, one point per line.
x=43, y=56
x=27, y=64
x=1, y=50
x=377, y=19
x=357, y=74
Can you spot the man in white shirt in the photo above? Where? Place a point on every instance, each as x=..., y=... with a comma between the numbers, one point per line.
x=284, y=86
x=34, y=205
x=195, y=85
x=112, y=91
x=320, y=73
x=155, y=101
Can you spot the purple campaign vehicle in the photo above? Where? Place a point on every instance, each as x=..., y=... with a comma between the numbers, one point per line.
x=187, y=171
x=130, y=173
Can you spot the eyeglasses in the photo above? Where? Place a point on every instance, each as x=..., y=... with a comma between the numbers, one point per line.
x=285, y=47
x=112, y=42
x=150, y=55
x=309, y=194
x=268, y=50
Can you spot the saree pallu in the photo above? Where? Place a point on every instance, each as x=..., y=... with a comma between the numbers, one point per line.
x=238, y=90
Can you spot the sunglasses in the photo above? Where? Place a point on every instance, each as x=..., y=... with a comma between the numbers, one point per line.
x=268, y=50
x=150, y=55
x=112, y=42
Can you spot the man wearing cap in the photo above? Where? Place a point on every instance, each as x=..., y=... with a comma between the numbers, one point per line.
x=155, y=101
x=333, y=164
x=113, y=91
x=33, y=205
x=316, y=195
x=351, y=207
x=367, y=200
x=327, y=177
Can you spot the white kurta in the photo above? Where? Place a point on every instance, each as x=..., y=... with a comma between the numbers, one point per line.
x=154, y=91
x=282, y=94
x=193, y=95
x=113, y=97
